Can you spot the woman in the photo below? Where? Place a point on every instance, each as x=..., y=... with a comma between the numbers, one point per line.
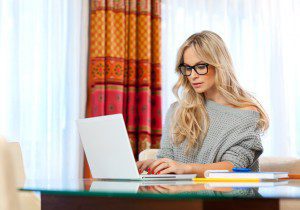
x=215, y=124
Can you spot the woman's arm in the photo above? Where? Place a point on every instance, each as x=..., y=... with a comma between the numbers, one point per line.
x=167, y=166
x=199, y=169
x=166, y=147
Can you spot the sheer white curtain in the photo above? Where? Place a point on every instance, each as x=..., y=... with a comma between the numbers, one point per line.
x=43, y=57
x=263, y=39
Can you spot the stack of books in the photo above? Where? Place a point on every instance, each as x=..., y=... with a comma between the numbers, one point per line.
x=226, y=176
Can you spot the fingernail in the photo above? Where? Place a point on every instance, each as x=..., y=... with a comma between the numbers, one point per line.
x=158, y=172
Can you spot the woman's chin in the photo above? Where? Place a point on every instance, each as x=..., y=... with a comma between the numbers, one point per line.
x=199, y=90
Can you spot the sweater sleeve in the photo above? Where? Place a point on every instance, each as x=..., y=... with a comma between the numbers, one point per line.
x=243, y=147
x=166, y=146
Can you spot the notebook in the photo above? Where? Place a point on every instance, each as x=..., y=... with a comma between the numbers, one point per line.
x=242, y=175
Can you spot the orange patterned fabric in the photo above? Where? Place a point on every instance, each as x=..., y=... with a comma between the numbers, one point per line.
x=125, y=67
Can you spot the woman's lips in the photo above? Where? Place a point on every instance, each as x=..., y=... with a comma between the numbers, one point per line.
x=197, y=84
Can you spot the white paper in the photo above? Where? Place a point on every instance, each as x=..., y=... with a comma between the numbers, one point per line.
x=206, y=173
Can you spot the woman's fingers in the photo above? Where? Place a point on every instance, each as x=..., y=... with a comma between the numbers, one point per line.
x=157, y=162
x=160, y=189
x=167, y=171
x=160, y=167
x=150, y=165
x=154, y=165
x=144, y=165
x=139, y=164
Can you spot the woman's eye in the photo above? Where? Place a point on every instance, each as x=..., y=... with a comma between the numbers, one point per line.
x=200, y=67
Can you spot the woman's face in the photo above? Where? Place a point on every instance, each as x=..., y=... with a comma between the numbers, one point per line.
x=200, y=83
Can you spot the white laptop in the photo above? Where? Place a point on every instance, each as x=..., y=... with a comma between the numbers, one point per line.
x=108, y=150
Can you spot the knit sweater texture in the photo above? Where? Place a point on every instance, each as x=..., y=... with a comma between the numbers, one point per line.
x=232, y=136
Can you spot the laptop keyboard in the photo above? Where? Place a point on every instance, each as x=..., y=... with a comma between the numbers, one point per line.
x=167, y=176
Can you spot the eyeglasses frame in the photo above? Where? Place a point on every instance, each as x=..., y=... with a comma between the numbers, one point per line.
x=193, y=67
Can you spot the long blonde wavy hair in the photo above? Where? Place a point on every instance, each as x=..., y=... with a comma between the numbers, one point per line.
x=190, y=119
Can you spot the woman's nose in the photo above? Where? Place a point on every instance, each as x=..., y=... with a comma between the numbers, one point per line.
x=194, y=74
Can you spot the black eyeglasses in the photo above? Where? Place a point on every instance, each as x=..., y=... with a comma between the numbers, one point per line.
x=200, y=68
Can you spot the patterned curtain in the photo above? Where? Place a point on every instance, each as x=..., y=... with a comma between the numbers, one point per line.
x=125, y=67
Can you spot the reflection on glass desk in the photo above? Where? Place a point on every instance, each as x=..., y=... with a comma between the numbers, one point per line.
x=167, y=189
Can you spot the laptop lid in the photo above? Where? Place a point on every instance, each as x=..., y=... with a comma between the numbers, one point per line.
x=107, y=147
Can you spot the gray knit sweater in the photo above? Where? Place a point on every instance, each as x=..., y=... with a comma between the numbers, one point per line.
x=232, y=136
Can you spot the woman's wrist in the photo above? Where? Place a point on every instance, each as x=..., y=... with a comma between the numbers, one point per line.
x=189, y=168
x=194, y=168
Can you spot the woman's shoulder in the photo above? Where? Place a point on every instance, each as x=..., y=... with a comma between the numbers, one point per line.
x=173, y=106
x=251, y=108
x=239, y=112
x=171, y=109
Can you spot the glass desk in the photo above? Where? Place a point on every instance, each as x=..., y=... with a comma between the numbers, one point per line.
x=104, y=194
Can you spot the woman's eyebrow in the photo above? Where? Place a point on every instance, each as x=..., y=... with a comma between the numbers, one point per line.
x=200, y=62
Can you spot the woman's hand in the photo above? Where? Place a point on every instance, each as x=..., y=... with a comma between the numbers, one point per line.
x=167, y=166
x=169, y=189
x=144, y=165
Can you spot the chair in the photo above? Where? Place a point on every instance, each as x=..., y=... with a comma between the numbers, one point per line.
x=288, y=164
x=148, y=154
x=28, y=200
x=9, y=199
x=18, y=162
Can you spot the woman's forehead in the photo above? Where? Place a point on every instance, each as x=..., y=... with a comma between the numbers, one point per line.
x=191, y=57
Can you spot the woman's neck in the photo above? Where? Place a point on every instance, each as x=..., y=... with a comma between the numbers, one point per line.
x=214, y=95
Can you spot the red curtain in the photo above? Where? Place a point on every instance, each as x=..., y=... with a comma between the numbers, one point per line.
x=124, y=73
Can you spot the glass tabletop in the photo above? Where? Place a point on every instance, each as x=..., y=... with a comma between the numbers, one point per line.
x=166, y=189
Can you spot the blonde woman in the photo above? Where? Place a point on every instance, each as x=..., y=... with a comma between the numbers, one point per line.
x=215, y=123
